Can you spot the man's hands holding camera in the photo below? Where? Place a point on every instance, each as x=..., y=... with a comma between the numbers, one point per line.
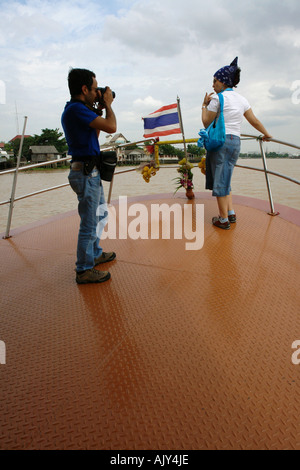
x=105, y=96
x=104, y=99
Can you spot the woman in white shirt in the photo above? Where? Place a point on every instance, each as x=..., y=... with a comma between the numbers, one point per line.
x=220, y=163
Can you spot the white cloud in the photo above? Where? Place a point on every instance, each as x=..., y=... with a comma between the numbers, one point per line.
x=147, y=103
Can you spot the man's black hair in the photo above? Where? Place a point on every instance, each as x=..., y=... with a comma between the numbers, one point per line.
x=77, y=78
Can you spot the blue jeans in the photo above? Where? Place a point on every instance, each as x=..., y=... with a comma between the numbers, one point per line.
x=91, y=199
x=220, y=165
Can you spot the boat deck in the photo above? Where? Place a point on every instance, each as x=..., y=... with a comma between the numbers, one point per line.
x=179, y=350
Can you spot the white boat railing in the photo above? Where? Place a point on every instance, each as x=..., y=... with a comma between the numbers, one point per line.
x=16, y=170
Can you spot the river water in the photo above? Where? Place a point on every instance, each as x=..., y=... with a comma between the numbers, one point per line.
x=244, y=182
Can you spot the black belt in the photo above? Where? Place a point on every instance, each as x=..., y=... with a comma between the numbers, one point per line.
x=84, y=158
x=87, y=165
x=105, y=163
x=77, y=166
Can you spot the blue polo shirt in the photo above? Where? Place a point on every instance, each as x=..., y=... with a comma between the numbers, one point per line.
x=82, y=139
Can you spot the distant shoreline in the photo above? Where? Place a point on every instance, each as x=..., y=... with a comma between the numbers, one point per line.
x=66, y=167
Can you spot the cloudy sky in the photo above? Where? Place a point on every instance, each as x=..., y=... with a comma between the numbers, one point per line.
x=149, y=52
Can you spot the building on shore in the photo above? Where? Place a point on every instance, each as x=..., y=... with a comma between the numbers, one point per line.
x=43, y=153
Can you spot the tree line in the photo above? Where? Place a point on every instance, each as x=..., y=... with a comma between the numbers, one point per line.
x=47, y=137
x=55, y=137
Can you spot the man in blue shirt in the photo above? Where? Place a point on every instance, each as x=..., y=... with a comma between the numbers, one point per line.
x=82, y=124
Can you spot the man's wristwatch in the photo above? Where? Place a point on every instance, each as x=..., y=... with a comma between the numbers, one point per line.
x=204, y=106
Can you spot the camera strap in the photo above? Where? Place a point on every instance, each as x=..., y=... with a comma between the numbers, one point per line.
x=91, y=108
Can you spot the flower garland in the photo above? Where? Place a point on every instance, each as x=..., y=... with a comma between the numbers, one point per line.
x=150, y=169
x=202, y=165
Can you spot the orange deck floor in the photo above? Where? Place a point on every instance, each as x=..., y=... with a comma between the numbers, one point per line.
x=179, y=350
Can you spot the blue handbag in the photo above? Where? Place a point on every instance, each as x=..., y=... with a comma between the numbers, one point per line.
x=213, y=138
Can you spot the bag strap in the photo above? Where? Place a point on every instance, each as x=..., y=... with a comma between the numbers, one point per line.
x=221, y=99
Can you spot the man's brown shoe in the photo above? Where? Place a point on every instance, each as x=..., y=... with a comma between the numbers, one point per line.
x=105, y=258
x=217, y=223
x=232, y=218
x=92, y=275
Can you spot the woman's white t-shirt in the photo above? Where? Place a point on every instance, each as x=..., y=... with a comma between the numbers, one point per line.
x=235, y=107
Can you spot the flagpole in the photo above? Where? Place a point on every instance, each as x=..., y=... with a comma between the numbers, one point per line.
x=181, y=126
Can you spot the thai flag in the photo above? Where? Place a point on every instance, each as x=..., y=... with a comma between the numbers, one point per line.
x=164, y=121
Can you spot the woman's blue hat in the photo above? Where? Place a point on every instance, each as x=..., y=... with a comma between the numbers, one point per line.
x=226, y=74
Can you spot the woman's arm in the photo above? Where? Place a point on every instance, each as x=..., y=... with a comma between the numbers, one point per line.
x=252, y=119
x=207, y=116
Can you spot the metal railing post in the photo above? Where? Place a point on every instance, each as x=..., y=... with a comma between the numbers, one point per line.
x=13, y=191
x=262, y=150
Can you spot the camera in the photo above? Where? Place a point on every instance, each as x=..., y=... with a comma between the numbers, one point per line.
x=102, y=91
x=99, y=103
